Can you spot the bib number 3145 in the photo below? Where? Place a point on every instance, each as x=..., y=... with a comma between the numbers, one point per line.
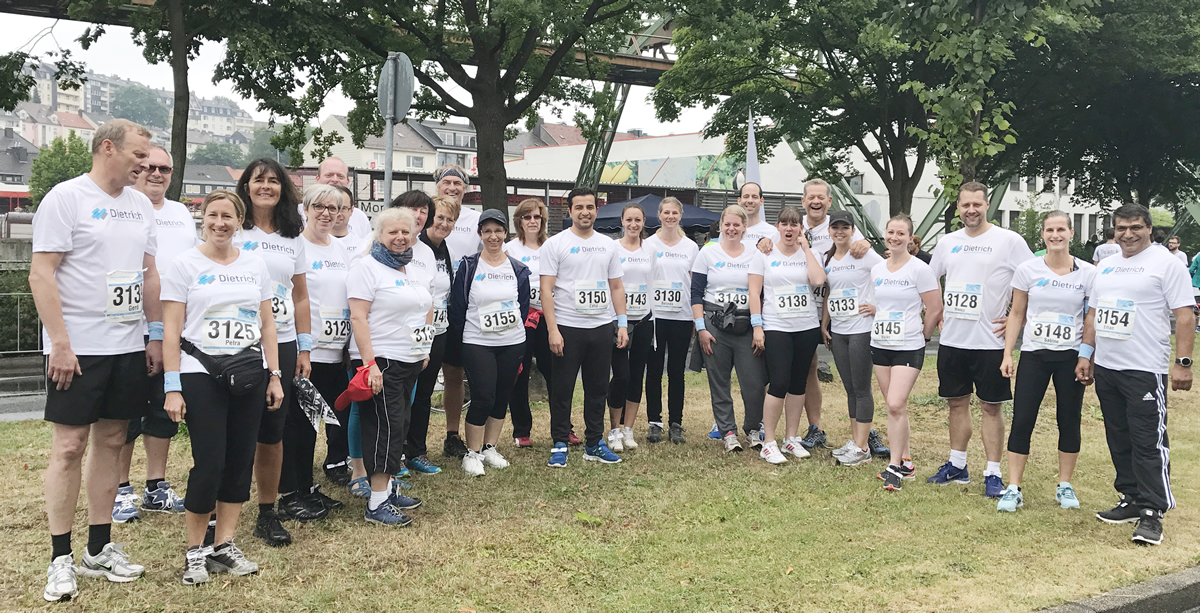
x=888, y=330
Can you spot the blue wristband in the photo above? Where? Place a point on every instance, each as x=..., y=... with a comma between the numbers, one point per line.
x=1086, y=351
x=622, y=321
x=756, y=320
x=304, y=342
x=155, y=330
x=699, y=324
x=171, y=382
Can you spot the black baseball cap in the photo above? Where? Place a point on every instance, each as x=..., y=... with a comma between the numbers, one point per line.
x=841, y=217
x=494, y=216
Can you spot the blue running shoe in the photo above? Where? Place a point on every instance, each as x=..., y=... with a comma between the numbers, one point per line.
x=876, y=445
x=715, y=434
x=558, y=456
x=1011, y=500
x=387, y=515
x=600, y=453
x=402, y=502
x=1065, y=495
x=993, y=486
x=424, y=466
x=360, y=488
x=815, y=437
x=404, y=473
x=162, y=499
x=125, y=505
x=948, y=474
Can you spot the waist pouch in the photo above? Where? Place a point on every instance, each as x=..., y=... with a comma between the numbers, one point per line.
x=240, y=372
x=727, y=318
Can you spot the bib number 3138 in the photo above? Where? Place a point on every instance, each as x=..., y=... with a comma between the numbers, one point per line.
x=591, y=297
x=124, y=296
x=1115, y=317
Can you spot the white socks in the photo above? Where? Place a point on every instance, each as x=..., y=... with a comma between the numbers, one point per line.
x=993, y=468
x=958, y=459
x=377, y=498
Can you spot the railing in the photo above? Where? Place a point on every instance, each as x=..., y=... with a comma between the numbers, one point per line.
x=22, y=366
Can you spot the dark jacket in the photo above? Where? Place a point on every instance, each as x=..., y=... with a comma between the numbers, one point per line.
x=460, y=291
x=441, y=253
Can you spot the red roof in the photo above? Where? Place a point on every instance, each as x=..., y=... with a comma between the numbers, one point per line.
x=571, y=135
x=71, y=120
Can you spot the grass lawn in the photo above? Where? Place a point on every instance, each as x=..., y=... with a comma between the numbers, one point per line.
x=684, y=528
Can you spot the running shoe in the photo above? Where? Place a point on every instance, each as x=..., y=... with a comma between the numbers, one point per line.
x=421, y=464
x=892, y=481
x=299, y=507
x=472, y=464
x=404, y=472
x=755, y=439
x=268, y=528
x=1125, y=512
x=993, y=486
x=454, y=447
x=907, y=469
x=195, y=565
x=338, y=474
x=399, y=484
x=574, y=440
x=331, y=504
x=522, y=441
x=1065, y=495
x=402, y=502
x=616, y=440
x=715, y=434
x=1011, y=500
x=558, y=456
x=815, y=437
x=795, y=447
x=842, y=450
x=60, y=580
x=111, y=563
x=948, y=474
x=676, y=434
x=630, y=444
x=360, y=487
x=878, y=448
x=492, y=457
x=600, y=453
x=162, y=499
x=125, y=505
x=387, y=515
x=654, y=433
x=854, y=457
x=771, y=453
x=227, y=558
x=1149, y=528
x=731, y=442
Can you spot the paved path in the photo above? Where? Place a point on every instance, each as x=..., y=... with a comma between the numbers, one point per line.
x=18, y=408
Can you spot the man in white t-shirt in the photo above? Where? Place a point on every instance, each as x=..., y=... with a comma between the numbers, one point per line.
x=1126, y=347
x=333, y=171
x=176, y=234
x=93, y=278
x=1103, y=250
x=978, y=262
x=1173, y=247
x=582, y=294
x=750, y=198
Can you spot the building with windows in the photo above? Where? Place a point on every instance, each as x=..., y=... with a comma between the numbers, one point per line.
x=200, y=179
x=218, y=116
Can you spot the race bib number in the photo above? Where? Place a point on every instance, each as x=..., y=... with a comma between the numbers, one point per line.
x=1052, y=330
x=499, y=317
x=282, y=307
x=888, y=330
x=335, y=328
x=842, y=304
x=441, y=317
x=535, y=296
x=793, y=301
x=1114, y=318
x=737, y=296
x=422, y=340
x=591, y=297
x=124, y=296
x=228, y=329
x=963, y=300
x=668, y=296
x=820, y=293
x=637, y=303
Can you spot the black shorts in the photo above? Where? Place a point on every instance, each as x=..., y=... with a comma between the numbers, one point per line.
x=270, y=428
x=961, y=371
x=111, y=387
x=913, y=358
x=156, y=422
x=453, y=353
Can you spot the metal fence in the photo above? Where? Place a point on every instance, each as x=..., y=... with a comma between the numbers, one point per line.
x=22, y=367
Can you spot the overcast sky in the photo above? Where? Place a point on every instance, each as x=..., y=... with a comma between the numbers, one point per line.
x=115, y=54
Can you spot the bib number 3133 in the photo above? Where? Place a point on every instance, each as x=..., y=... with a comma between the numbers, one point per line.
x=124, y=296
x=1115, y=317
x=591, y=297
x=843, y=303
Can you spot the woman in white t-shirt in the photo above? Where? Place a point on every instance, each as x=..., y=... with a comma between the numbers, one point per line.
x=787, y=330
x=531, y=217
x=721, y=312
x=846, y=324
x=488, y=307
x=629, y=362
x=1049, y=304
x=904, y=287
x=212, y=297
x=391, y=314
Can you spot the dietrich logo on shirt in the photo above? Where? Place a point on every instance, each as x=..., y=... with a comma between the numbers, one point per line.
x=673, y=255
x=170, y=223
x=99, y=213
x=971, y=249
x=789, y=264
x=731, y=265
x=525, y=259
x=317, y=265
x=249, y=245
x=237, y=279
x=842, y=268
x=206, y=279
x=330, y=264
x=1124, y=270
x=622, y=260
x=903, y=282
x=576, y=250
x=1053, y=284
x=495, y=276
x=399, y=283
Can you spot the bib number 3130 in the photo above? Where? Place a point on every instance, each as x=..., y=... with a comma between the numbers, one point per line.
x=124, y=296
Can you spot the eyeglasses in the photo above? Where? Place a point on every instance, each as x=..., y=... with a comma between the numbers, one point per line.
x=164, y=169
x=321, y=208
x=531, y=217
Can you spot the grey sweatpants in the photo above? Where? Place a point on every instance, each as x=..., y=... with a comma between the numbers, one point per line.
x=729, y=352
x=852, y=355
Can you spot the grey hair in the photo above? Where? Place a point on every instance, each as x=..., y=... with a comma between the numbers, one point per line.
x=170, y=158
x=318, y=192
x=821, y=182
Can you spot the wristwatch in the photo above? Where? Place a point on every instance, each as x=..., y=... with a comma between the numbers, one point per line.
x=1184, y=362
x=276, y=373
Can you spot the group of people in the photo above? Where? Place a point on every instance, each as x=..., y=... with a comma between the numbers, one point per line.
x=291, y=300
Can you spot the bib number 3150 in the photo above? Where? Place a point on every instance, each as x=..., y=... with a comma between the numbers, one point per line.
x=591, y=297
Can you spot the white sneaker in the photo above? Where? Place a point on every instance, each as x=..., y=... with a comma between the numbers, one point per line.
x=60, y=580
x=472, y=464
x=793, y=446
x=770, y=452
x=616, y=440
x=491, y=457
x=112, y=564
x=627, y=434
x=754, y=438
x=731, y=442
x=843, y=449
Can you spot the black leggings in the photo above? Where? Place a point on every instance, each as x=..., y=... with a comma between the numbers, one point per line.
x=629, y=364
x=588, y=350
x=224, y=430
x=270, y=431
x=1034, y=372
x=674, y=337
x=789, y=357
x=385, y=416
x=299, y=438
x=418, y=427
x=492, y=371
x=537, y=345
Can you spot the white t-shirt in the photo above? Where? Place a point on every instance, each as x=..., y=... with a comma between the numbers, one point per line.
x=1182, y=257
x=820, y=244
x=356, y=247
x=221, y=303
x=326, y=272
x=582, y=268
x=400, y=302
x=176, y=233
x=670, y=294
x=359, y=224
x=758, y=232
x=104, y=241
x=464, y=240
x=728, y=277
x=425, y=259
x=530, y=258
x=1055, y=312
x=898, y=299
x=788, y=302
x=978, y=285
x=1133, y=298
x=1104, y=250
x=850, y=285
x=637, y=267
x=285, y=259
x=493, y=309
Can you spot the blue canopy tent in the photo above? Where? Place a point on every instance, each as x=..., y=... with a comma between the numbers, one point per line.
x=695, y=219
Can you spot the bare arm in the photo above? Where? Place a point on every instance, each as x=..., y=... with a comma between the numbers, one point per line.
x=303, y=322
x=933, y=310
x=153, y=310
x=1084, y=367
x=1016, y=321
x=63, y=365
x=616, y=288
x=1185, y=338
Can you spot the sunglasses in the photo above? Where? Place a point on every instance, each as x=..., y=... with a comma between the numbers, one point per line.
x=531, y=217
x=166, y=170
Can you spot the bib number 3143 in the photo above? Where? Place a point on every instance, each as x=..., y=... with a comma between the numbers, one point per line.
x=1115, y=317
x=963, y=300
x=591, y=297
x=124, y=296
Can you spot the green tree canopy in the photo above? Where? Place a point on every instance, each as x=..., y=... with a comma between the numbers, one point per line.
x=61, y=161
x=261, y=147
x=225, y=154
x=140, y=104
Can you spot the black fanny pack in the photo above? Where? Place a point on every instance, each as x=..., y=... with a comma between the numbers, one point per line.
x=241, y=372
x=728, y=318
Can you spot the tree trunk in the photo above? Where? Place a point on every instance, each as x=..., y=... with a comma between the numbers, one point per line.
x=489, y=133
x=179, y=117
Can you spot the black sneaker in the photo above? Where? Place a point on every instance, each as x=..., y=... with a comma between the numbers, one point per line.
x=338, y=474
x=330, y=504
x=815, y=437
x=677, y=434
x=878, y=448
x=301, y=508
x=1125, y=512
x=892, y=481
x=654, y=433
x=454, y=447
x=1149, y=528
x=271, y=531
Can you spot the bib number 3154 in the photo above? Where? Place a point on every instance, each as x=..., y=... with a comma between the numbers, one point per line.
x=1115, y=317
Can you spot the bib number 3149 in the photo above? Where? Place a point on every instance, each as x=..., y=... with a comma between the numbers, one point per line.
x=124, y=296
x=591, y=297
